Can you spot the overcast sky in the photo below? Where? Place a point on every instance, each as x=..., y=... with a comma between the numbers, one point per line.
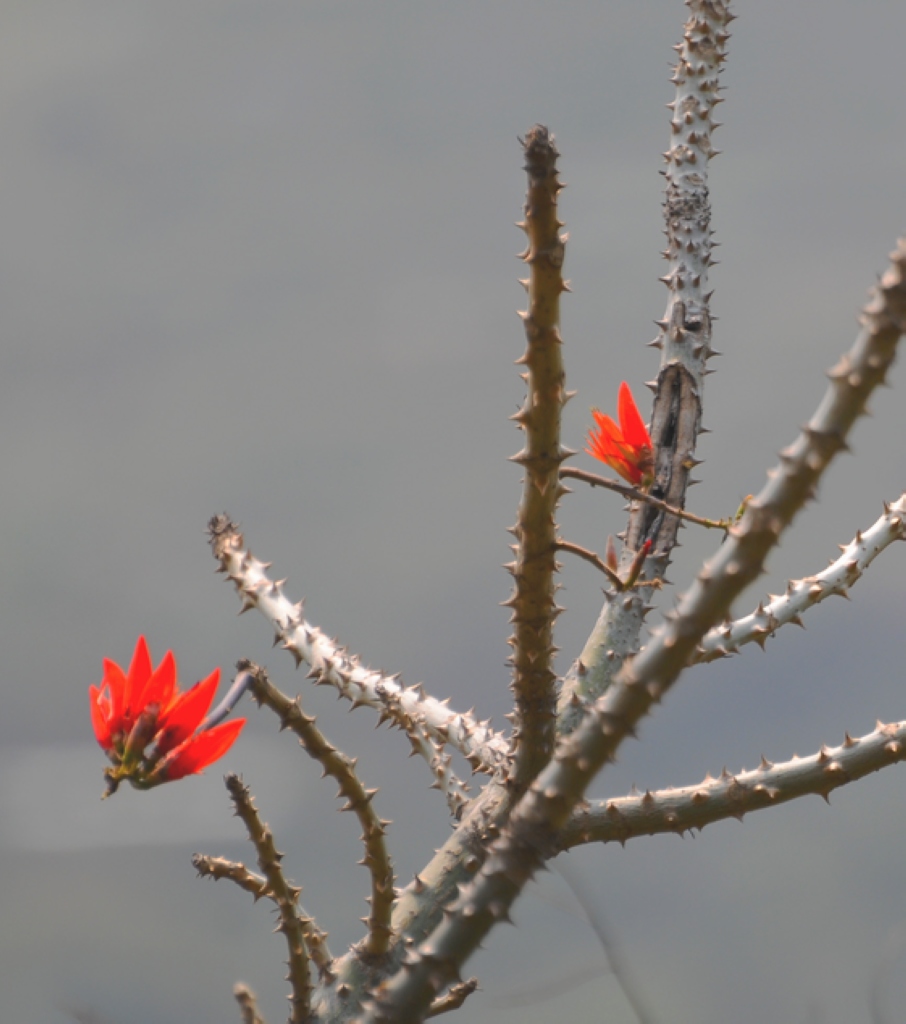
x=259, y=257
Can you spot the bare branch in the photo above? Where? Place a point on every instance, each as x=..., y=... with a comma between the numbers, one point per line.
x=358, y=800
x=248, y=1005
x=453, y=998
x=801, y=595
x=733, y=796
x=533, y=569
x=595, y=560
x=285, y=895
x=636, y=494
x=315, y=938
x=235, y=871
x=485, y=749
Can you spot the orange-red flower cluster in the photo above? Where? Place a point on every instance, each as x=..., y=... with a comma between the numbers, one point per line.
x=625, y=448
x=149, y=729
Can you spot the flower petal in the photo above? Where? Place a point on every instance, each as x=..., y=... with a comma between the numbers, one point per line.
x=118, y=686
x=609, y=446
x=99, y=705
x=160, y=688
x=186, y=712
x=632, y=426
x=602, y=442
x=195, y=754
x=139, y=673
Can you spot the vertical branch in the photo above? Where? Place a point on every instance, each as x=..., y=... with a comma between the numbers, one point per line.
x=358, y=800
x=284, y=895
x=685, y=343
x=532, y=601
x=686, y=328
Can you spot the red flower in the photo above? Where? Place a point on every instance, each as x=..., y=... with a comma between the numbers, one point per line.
x=149, y=729
x=625, y=448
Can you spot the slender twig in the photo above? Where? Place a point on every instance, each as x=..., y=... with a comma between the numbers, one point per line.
x=636, y=494
x=618, y=582
x=358, y=800
x=235, y=871
x=595, y=560
x=453, y=998
x=684, y=808
x=315, y=938
x=802, y=594
x=533, y=604
x=285, y=896
x=248, y=1005
x=485, y=749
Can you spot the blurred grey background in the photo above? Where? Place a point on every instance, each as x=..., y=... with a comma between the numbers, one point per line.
x=259, y=257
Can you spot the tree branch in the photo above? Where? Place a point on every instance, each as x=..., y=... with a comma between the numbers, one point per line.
x=733, y=796
x=453, y=998
x=685, y=344
x=285, y=895
x=236, y=872
x=248, y=1005
x=315, y=938
x=636, y=494
x=485, y=749
x=534, y=609
x=358, y=800
x=800, y=595
x=593, y=559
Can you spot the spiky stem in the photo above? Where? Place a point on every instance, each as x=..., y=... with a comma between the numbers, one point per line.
x=285, y=896
x=358, y=800
x=485, y=749
x=257, y=885
x=685, y=343
x=684, y=808
x=534, y=608
x=530, y=836
x=235, y=871
x=248, y=1005
x=686, y=328
x=803, y=594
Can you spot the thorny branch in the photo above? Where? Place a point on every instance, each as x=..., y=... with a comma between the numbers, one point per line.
x=239, y=874
x=684, y=808
x=685, y=344
x=358, y=800
x=534, y=609
x=258, y=886
x=285, y=895
x=248, y=1005
x=330, y=665
x=802, y=594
